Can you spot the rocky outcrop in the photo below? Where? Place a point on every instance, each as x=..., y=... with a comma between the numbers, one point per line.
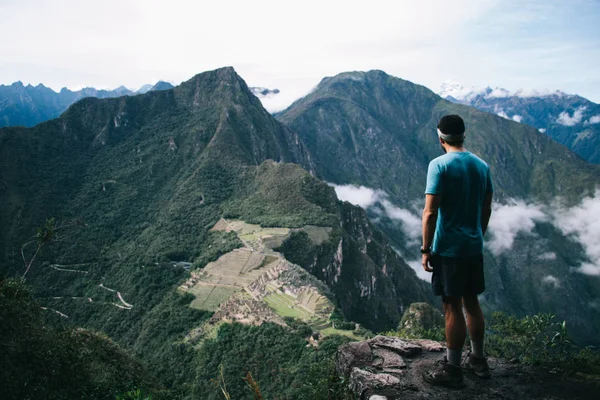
x=389, y=368
x=421, y=316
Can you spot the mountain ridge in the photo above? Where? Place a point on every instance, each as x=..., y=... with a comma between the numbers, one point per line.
x=571, y=120
x=28, y=105
x=379, y=132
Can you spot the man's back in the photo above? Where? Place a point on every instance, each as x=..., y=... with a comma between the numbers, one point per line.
x=462, y=179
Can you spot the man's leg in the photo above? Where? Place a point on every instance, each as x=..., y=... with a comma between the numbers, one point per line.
x=456, y=330
x=475, y=324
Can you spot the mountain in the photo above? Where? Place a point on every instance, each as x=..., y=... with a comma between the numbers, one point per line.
x=29, y=105
x=569, y=119
x=143, y=188
x=144, y=88
x=162, y=85
x=378, y=132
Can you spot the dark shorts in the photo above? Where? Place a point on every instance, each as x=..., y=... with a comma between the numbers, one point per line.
x=457, y=276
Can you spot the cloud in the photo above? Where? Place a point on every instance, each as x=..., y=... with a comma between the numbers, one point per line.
x=551, y=280
x=517, y=118
x=502, y=114
x=542, y=130
x=594, y=120
x=547, y=256
x=358, y=195
x=582, y=223
x=566, y=119
x=411, y=224
x=508, y=220
x=418, y=268
x=469, y=93
x=367, y=198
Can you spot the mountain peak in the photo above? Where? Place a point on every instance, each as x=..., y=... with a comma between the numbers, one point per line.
x=456, y=90
x=162, y=85
x=356, y=76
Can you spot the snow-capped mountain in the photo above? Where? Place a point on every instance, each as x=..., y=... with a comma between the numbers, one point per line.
x=569, y=119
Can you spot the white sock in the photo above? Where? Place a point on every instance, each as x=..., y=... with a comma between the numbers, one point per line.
x=477, y=349
x=454, y=356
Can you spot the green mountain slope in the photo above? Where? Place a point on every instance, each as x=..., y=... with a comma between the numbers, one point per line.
x=377, y=130
x=42, y=361
x=146, y=178
x=372, y=129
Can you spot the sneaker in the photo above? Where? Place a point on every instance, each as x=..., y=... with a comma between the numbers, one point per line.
x=478, y=366
x=445, y=374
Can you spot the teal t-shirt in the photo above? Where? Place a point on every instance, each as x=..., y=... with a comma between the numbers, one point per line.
x=462, y=179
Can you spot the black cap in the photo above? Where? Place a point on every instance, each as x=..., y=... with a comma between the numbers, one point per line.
x=451, y=125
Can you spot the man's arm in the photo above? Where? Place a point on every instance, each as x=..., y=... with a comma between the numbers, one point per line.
x=430, y=215
x=486, y=211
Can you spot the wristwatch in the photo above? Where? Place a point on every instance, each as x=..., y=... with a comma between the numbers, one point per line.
x=425, y=250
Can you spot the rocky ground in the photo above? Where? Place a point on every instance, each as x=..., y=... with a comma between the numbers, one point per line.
x=385, y=368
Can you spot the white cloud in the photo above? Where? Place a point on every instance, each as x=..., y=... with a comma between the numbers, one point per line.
x=508, y=220
x=411, y=224
x=366, y=198
x=594, y=120
x=571, y=120
x=468, y=93
x=547, y=256
x=458, y=91
x=551, y=280
x=358, y=195
x=542, y=130
x=499, y=93
x=502, y=114
x=517, y=118
x=418, y=268
x=582, y=223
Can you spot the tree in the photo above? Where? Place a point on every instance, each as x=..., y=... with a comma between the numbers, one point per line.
x=45, y=235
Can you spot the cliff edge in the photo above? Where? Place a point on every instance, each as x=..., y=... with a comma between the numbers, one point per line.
x=390, y=368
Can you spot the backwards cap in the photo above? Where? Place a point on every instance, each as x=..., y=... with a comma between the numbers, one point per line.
x=451, y=128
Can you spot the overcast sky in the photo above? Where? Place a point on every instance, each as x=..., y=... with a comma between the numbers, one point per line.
x=291, y=45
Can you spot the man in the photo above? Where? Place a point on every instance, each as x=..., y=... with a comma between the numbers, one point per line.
x=458, y=206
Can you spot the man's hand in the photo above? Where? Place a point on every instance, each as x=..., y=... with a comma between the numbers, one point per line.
x=426, y=262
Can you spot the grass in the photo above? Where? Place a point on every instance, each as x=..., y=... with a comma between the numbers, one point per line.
x=284, y=306
x=210, y=297
x=317, y=234
x=332, y=331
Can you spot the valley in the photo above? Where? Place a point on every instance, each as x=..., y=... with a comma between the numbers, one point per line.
x=255, y=284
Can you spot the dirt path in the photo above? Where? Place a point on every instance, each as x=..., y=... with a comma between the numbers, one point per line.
x=58, y=268
x=125, y=306
x=56, y=311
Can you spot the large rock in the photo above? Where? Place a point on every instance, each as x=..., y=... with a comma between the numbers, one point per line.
x=390, y=368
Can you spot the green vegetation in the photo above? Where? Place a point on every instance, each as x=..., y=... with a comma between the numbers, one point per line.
x=293, y=370
x=539, y=339
x=42, y=361
x=375, y=130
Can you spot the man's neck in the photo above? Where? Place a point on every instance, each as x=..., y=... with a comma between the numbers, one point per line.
x=454, y=149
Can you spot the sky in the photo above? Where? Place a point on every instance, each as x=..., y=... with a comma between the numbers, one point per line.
x=291, y=45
